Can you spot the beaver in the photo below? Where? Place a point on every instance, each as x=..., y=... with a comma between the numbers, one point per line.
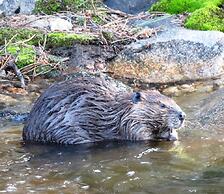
x=92, y=109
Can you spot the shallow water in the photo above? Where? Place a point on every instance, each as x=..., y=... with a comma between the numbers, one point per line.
x=195, y=164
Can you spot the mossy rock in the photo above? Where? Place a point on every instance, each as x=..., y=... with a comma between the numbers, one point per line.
x=25, y=55
x=206, y=15
x=35, y=37
x=181, y=6
x=57, y=39
x=21, y=42
x=52, y=6
x=208, y=18
x=21, y=34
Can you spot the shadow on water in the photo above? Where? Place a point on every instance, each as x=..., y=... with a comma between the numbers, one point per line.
x=99, y=154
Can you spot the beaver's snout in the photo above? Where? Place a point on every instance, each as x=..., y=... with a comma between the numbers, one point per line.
x=176, y=119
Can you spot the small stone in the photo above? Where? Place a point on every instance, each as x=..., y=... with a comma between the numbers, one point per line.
x=173, y=91
x=58, y=24
x=53, y=23
x=186, y=86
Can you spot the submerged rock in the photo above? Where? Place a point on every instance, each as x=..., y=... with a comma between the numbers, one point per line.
x=175, y=56
x=211, y=113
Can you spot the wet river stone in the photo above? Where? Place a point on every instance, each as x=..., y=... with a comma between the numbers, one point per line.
x=211, y=113
x=176, y=55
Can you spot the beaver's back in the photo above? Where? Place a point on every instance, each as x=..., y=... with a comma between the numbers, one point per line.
x=69, y=112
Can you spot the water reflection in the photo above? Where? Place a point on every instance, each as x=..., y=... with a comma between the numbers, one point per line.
x=195, y=164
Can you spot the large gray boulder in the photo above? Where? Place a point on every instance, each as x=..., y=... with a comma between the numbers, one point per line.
x=11, y=7
x=176, y=55
x=130, y=6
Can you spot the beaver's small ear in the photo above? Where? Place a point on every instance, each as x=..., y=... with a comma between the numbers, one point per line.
x=136, y=97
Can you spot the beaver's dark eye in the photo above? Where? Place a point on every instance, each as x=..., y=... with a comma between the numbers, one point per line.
x=136, y=97
x=162, y=105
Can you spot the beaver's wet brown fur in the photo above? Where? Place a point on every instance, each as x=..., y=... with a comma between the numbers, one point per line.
x=88, y=109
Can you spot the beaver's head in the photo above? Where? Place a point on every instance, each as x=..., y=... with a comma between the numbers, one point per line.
x=153, y=116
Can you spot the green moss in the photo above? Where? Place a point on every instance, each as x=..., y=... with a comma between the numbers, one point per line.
x=21, y=42
x=97, y=20
x=25, y=55
x=109, y=36
x=208, y=18
x=176, y=6
x=20, y=35
x=51, y=6
x=180, y=6
x=57, y=39
x=13, y=49
x=206, y=15
x=54, y=39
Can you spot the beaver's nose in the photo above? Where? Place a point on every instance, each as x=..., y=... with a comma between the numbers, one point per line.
x=181, y=116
